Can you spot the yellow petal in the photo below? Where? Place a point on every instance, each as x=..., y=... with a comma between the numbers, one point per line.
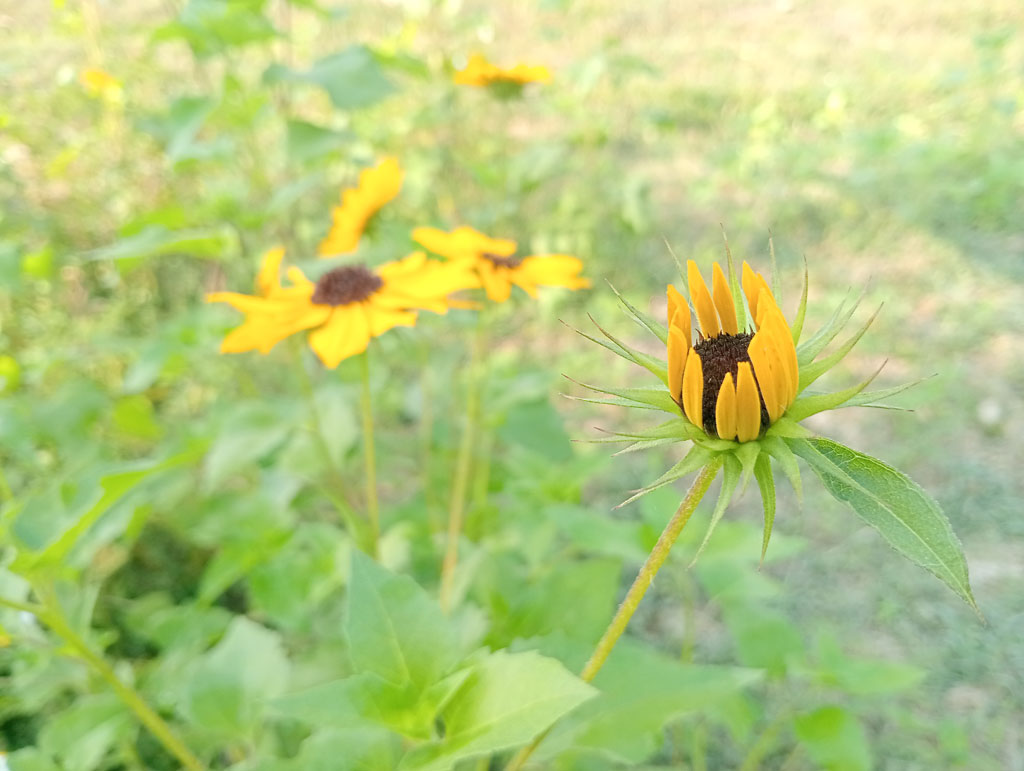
x=702, y=304
x=377, y=186
x=748, y=404
x=767, y=382
x=723, y=301
x=269, y=277
x=383, y=319
x=551, y=270
x=693, y=389
x=678, y=350
x=725, y=409
x=346, y=333
x=679, y=312
x=753, y=285
x=495, y=281
x=462, y=242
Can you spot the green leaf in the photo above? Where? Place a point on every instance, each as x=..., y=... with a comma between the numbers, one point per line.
x=805, y=406
x=250, y=431
x=863, y=676
x=134, y=417
x=226, y=694
x=84, y=732
x=354, y=748
x=352, y=78
x=507, y=701
x=641, y=690
x=871, y=398
x=801, y=312
x=807, y=350
x=394, y=629
x=157, y=240
x=212, y=26
x=834, y=738
x=906, y=516
x=764, y=638
x=693, y=460
x=655, y=398
x=779, y=450
x=655, y=366
x=731, y=469
x=641, y=318
x=766, y=483
x=813, y=370
x=307, y=141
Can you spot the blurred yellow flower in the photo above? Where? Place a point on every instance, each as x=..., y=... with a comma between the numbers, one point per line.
x=496, y=264
x=345, y=307
x=376, y=187
x=99, y=82
x=480, y=72
x=731, y=384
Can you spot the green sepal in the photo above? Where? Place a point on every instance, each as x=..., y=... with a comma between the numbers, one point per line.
x=805, y=406
x=734, y=287
x=715, y=444
x=644, y=444
x=766, y=483
x=801, y=312
x=807, y=351
x=678, y=428
x=776, y=280
x=747, y=453
x=787, y=427
x=612, y=402
x=641, y=318
x=814, y=370
x=779, y=450
x=654, y=365
x=731, y=469
x=871, y=398
x=655, y=398
x=892, y=503
x=696, y=458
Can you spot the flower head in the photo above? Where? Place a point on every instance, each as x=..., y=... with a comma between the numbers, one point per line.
x=480, y=72
x=344, y=308
x=498, y=266
x=376, y=187
x=99, y=83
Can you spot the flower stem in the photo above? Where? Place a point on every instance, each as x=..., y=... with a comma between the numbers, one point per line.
x=460, y=482
x=636, y=592
x=53, y=617
x=366, y=404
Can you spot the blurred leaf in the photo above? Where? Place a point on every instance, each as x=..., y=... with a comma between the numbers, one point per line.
x=211, y=26
x=394, y=629
x=227, y=691
x=38, y=264
x=352, y=77
x=863, y=676
x=307, y=141
x=82, y=734
x=134, y=417
x=834, y=739
x=155, y=240
x=600, y=534
x=178, y=129
x=538, y=427
x=249, y=432
x=507, y=700
x=764, y=638
x=362, y=748
x=640, y=691
x=888, y=500
x=30, y=759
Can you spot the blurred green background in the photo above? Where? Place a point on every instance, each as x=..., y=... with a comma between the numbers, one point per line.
x=881, y=142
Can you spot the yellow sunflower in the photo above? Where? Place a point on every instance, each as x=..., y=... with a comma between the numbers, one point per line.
x=732, y=383
x=345, y=307
x=376, y=187
x=480, y=72
x=99, y=83
x=497, y=265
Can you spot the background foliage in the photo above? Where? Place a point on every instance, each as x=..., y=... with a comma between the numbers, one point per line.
x=207, y=559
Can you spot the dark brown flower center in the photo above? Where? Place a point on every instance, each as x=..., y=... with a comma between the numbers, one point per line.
x=345, y=285
x=502, y=262
x=720, y=356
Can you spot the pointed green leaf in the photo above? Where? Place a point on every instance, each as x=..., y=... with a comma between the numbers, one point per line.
x=678, y=428
x=801, y=312
x=765, y=481
x=787, y=427
x=734, y=286
x=730, y=478
x=693, y=460
x=776, y=277
x=641, y=318
x=394, y=629
x=747, y=454
x=871, y=398
x=508, y=700
x=658, y=398
x=645, y=444
x=654, y=365
x=888, y=500
x=835, y=739
x=815, y=369
x=805, y=406
x=779, y=450
x=806, y=351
